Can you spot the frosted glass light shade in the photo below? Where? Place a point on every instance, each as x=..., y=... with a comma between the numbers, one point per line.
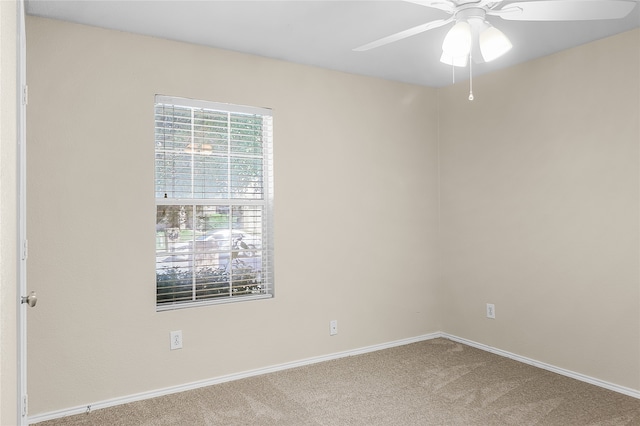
x=456, y=61
x=493, y=44
x=458, y=40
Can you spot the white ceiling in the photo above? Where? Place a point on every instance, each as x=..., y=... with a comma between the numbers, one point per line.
x=323, y=33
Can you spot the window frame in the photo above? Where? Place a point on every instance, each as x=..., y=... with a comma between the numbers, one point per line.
x=263, y=202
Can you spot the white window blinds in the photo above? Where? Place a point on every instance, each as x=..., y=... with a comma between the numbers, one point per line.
x=214, y=193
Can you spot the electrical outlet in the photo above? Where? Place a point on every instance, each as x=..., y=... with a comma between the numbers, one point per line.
x=333, y=327
x=176, y=339
x=491, y=311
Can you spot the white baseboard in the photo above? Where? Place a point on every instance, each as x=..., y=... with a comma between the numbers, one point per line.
x=308, y=361
x=222, y=379
x=601, y=383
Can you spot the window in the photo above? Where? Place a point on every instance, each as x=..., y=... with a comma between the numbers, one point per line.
x=214, y=195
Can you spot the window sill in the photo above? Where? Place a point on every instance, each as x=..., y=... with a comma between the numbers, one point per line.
x=183, y=305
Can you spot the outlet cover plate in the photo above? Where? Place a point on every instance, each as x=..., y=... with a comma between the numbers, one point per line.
x=491, y=311
x=176, y=339
x=333, y=328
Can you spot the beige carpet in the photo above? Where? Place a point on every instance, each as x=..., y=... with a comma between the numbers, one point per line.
x=436, y=382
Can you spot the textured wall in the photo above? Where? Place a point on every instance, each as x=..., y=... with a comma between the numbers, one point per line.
x=540, y=209
x=355, y=215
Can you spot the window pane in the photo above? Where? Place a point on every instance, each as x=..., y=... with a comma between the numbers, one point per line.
x=173, y=226
x=212, y=283
x=208, y=154
x=173, y=175
x=246, y=134
x=246, y=178
x=208, y=252
x=174, y=278
x=210, y=177
x=211, y=131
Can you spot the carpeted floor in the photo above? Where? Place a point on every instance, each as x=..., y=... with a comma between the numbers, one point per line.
x=436, y=382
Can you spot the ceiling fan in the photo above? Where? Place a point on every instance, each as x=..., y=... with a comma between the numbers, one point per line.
x=472, y=36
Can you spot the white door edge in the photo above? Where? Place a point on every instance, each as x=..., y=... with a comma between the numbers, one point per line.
x=22, y=409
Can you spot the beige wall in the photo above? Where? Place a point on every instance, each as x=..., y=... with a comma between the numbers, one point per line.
x=8, y=209
x=355, y=216
x=540, y=209
x=539, y=193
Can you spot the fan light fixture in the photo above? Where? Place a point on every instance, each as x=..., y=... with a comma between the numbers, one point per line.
x=458, y=40
x=471, y=32
x=474, y=39
x=493, y=44
x=456, y=61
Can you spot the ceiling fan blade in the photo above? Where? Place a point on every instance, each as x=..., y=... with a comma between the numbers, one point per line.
x=404, y=34
x=445, y=5
x=565, y=10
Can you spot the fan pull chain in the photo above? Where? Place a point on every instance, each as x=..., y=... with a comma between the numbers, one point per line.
x=470, y=78
x=453, y=73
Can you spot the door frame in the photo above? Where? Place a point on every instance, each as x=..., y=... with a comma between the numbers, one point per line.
x=21, y=112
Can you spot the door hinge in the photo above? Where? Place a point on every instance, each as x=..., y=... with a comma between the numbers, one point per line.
x=25, y=249
x=25, y=402
x=25, y=94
